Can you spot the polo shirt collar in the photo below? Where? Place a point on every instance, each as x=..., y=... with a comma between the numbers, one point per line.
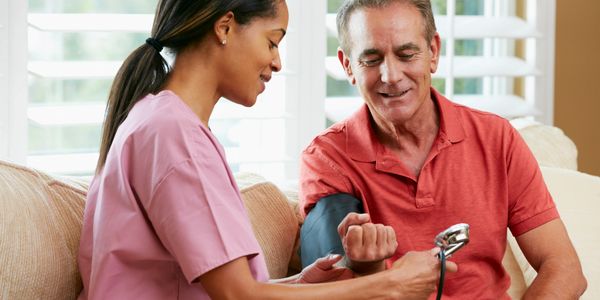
x=451, y=125
x=361, y=142
x=363, y=145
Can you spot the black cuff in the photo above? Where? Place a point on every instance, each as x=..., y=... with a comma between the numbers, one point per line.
x=318, y=235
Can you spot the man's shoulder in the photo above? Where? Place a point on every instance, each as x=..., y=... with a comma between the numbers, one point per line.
x=333, y=135
x=471, y=117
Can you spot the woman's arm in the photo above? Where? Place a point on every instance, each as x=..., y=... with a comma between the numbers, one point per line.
x=322, y=270
x=414, y=276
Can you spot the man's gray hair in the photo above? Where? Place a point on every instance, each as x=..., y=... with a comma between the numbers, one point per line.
x=350, y=6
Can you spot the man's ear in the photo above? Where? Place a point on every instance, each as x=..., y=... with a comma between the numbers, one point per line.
x=223, y=27
x=345, y=61
x=434, y=48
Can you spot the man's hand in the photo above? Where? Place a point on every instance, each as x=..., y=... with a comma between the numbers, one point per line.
x=367, y=245
x=420, y=272
x=323, y=270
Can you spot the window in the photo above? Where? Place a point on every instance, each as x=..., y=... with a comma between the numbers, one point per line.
x=496, y=56
x=74, y=48
x=62, y=55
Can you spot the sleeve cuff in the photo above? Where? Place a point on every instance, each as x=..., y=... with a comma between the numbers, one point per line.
x=534, y=222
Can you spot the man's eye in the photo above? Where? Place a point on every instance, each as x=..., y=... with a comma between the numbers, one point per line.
x=406, y=56
x=370, y=62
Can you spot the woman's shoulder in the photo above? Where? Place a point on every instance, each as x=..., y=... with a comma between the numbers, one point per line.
x=163, y=114
x=163, y=123
x=165, y=109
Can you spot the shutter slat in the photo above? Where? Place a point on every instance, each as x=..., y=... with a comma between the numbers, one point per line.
x=507, y=106
x=91, y=22
x=74, y=69
x=464, y=67
x=473, y=27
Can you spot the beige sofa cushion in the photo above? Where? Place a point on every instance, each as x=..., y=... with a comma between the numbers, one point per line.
x=517, y=282
x=274, y=223
x=40, y=225
x=577, y=196
x=550, y=146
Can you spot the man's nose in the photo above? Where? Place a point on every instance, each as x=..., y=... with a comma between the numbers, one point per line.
x=391, y=71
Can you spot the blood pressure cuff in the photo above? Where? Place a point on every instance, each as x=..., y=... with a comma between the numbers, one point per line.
x=318, y=235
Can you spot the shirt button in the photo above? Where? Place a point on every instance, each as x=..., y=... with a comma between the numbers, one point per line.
x=424, y=202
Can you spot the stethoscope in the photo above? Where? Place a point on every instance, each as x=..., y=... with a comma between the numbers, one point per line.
x=450, y=240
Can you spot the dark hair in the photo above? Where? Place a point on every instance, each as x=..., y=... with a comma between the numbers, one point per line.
x=177, y=25
x=350, y=6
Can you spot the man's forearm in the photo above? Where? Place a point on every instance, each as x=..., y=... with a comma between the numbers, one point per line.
x=557, y=281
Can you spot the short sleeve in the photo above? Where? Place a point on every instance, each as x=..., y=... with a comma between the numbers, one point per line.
x=530, y=202
x=199, y=217
x=320, y=176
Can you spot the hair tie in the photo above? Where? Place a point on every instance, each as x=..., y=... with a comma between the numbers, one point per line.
x=155, y=44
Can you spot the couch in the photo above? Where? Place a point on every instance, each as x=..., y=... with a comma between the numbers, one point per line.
x=41, y=218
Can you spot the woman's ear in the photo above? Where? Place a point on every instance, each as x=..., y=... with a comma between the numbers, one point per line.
x=223, y=27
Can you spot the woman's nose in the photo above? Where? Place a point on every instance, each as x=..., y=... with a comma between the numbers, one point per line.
x=276, y=63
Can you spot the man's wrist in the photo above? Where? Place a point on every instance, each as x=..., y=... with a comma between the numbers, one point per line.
x=364, y=268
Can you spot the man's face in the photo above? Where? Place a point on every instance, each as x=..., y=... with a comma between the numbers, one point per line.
x=390, y=60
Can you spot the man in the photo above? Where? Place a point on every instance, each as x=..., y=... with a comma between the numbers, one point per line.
x=420, y=163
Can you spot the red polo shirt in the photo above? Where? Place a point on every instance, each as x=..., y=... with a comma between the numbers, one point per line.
x=479, y=171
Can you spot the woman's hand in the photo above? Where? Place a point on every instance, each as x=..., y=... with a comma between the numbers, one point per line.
x=324, y=270
x=418, y=273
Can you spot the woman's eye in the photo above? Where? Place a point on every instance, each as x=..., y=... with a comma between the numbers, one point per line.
x=272, y=45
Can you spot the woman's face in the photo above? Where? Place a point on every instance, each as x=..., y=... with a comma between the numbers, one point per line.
x=252, y=56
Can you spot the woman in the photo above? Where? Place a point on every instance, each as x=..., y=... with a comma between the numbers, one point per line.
x=164, y=218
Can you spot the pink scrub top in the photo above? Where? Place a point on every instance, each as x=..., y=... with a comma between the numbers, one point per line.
x=164, y=210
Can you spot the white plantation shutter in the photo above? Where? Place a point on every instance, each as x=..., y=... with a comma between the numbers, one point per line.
x=497, y=56
x=58, y=58
x=73, y=52
x=70, y=72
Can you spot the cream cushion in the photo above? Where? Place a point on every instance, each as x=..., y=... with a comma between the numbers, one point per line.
x=40, y=225
x=517, y=282
x=550, y=146
x=577, y=197
x=274, y=224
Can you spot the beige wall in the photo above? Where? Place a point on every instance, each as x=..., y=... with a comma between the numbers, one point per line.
x=577, y=78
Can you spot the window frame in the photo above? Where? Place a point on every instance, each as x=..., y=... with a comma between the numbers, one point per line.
x=13, y=81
